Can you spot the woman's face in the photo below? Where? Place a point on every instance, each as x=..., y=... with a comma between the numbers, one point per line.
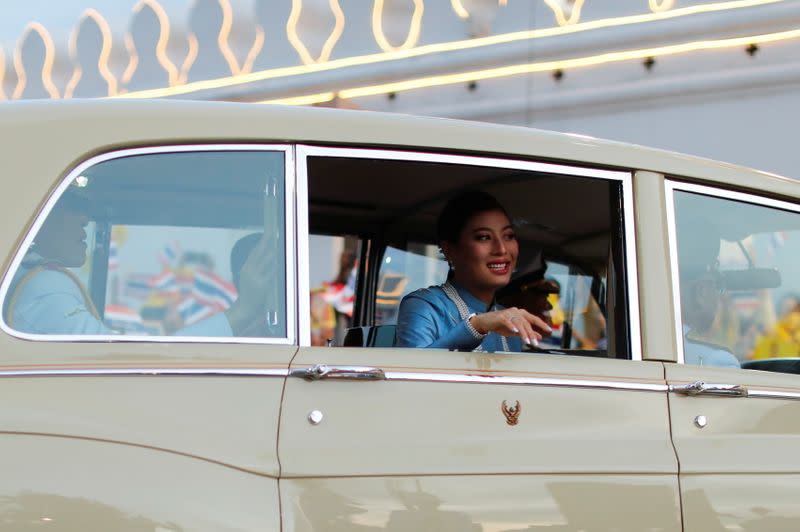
x=62, y=238
x=485, y=254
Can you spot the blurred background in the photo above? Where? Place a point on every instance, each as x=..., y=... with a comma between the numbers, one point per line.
x=712, y=78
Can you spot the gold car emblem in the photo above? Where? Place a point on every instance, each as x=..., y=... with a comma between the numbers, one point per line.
x=512, y=414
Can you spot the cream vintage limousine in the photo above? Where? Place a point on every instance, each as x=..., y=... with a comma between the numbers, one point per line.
x=143, y=388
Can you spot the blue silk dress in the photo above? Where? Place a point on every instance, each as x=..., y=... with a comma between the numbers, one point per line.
x=428, y=318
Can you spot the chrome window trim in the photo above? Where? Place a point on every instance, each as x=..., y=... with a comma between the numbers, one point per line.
x=152, y=372
x=289, y=177
x=631, y=270
x=290, y=243
x=303, y=295
x=625, y=177
x=670, y=186
x=672, y=242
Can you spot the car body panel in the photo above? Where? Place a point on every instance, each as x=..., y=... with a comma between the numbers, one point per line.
x=161, y=412
x=47, y=484
x=442, y=415
x=483, y=503
x=146, y=416
x=655, y=298
x=747, y=446
x=727, y=502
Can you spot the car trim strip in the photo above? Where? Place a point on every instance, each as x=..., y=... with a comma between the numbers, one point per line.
x=631, y=271
x=768, y=394
x=672, y=243
x=200, y=372
x=522, y=381
x=303, y=294
x=670, y=186
x=463, y=378
x=289, y=177
x=303, y=151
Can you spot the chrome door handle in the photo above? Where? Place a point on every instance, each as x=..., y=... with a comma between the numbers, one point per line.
x=704, y=388
x=321, y=371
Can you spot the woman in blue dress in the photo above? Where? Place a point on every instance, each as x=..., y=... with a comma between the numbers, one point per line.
x=479, y=242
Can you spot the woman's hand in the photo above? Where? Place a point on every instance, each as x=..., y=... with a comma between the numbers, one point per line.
x=512, y=322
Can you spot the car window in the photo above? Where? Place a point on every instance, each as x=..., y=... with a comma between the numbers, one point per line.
x=159, y=244
x=739, y=282
x=571, y=229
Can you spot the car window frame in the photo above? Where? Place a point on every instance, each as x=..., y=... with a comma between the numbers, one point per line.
x=671, y=185
x=290, y=288
x=621, y=176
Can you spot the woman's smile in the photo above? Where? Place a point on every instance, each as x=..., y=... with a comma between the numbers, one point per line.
x=500, y=268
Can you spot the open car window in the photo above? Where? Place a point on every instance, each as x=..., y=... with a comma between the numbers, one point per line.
x=569, y=221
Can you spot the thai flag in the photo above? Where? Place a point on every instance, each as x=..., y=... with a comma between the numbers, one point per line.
x=184, y=278
x=168, y=256
x=123, y=319
x=113, y=257
x=213, y=290
x=192, y=311
x=164, y=281
x=137, y=286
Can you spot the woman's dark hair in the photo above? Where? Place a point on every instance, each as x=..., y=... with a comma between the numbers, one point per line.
x=459, y=209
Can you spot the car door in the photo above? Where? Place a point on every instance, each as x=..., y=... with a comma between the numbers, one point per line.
x=415, y=439
x=430, y=439
x=736, y=430
x=131, y=397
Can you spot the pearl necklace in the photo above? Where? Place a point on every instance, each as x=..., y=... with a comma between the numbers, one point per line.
x=463, y=311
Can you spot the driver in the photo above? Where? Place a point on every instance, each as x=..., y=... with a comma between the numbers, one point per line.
x=701, y=286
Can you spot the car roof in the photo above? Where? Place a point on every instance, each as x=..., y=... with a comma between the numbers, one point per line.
x=104, y=125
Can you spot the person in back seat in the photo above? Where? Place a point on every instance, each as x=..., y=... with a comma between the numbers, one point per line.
x=479, y=242
x=46, y=297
